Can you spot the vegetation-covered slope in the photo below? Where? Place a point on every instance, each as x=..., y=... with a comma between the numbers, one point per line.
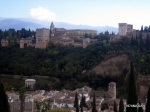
x=114, y=66
x=65, y=64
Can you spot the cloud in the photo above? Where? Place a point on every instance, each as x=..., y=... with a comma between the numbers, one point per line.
x=41, y=13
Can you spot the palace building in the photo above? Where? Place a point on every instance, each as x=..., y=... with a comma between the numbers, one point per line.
x=75, y=37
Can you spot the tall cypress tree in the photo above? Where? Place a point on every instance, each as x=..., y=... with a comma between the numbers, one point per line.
x=94, y=104
x=132, y=93
x=81, y=106
x=22, y=98
x=115, y=107
x=142, y=28
x=136, y=40
x=76, y=103
x=84, y=102
x=141, y=41
x=121, y=106
x=147, y=42
x=148, y=101
x=81, y=103
x=140, y=109
x=4, y=105
x=132, y=41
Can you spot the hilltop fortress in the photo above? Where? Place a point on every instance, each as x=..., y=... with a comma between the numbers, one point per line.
x=75, y=37
x=79, y=37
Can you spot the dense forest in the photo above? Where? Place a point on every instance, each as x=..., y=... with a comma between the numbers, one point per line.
x=65, y=64
x=12, y=33
x=13, y=36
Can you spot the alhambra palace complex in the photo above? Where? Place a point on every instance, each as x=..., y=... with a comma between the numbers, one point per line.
x=65, y=98
x=62, y=36
x=75, y=37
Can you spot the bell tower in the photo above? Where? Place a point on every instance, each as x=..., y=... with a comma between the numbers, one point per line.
x=52, y=30
x=112, y=89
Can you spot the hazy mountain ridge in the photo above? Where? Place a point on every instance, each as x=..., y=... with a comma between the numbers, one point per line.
x=18, y=23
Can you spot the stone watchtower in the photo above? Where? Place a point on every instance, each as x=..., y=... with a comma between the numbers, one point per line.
x=52, y=30
x=22, y=43
x=42, y=37
x=112, y=89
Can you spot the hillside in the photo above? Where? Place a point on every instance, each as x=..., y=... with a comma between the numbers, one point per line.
x=113, y=66
x=118, y=66
x=64, y=65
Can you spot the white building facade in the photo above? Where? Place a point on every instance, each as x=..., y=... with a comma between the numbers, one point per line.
x=30, y=83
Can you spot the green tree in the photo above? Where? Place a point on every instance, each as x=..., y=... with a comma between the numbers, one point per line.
x=81, y=106
x=49, y=103
x=76, y=102
x=132, y=92
x=86, y=35
x=19, y=34
x=37, y=106
x=148, y=101
x=142, y=28
x=147, y=42
x=140, y=109
x=84, y=102
x=46, y=106
x=4, y=105
x=94, y=104
x=15, y=40
x=132, y=41
x=115, y=107
x=81, y=103
x=22, y=98
x=121, y=106
x=104, y=106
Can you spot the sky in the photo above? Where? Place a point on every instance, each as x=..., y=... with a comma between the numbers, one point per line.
x=85, y=12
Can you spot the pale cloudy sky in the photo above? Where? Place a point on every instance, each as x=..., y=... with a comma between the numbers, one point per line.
x=87, y=12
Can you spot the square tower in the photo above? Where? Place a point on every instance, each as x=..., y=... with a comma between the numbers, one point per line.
x=129, y=27
x=122, y=29
x=112, y=89
x=42, y=38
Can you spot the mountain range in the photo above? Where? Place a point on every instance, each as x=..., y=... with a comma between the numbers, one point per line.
x=18, y=23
